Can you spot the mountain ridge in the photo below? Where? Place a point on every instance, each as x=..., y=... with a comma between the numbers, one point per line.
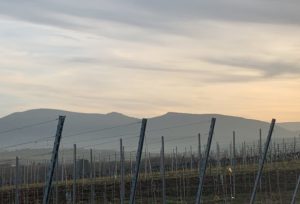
x=114, y=113
x=103, y=131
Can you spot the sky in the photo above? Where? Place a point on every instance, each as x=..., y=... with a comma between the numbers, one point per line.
x=145, y=58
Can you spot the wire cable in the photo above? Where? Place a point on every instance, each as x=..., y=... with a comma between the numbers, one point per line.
x=25, y=143
x=28, y=126
x=100, y=130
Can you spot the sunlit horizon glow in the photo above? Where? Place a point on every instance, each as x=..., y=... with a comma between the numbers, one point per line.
x=146, y=58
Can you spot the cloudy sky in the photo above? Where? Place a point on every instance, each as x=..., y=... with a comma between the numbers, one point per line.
x=144, y=58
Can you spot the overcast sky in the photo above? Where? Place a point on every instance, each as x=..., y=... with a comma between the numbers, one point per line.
x=145, y=58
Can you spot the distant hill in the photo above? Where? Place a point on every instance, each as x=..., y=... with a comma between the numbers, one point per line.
x=103, y=131
x=75, y=123
x=292, y=126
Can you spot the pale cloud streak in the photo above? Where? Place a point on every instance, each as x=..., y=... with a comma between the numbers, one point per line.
x=268, y=68
x=144, y=58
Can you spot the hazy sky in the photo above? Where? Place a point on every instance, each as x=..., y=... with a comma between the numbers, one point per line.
x=144, y=58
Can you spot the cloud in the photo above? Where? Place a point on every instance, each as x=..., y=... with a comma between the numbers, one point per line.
x=166, y=16
x=256, y=11
x=268, y=69
x=146, y=57
x=82, y=60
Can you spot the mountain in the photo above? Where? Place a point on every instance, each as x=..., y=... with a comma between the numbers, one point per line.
x=103, y=131
x=75, y=123
x=246, y=130
x=292, y=126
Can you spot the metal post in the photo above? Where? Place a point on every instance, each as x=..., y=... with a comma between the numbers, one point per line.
x=59, y=130
x=74, y=173
x=109, y=166
x=83, y=174
x=294, y=146
x=191, y=165
x=138, y=161
x=62, y=170
x=172, y=157
x=130, y=164
x=218, y=157
x=176, y=159
x=199, y=151
x=122, y=184
x=100, y=167
x=275, y=151
x=91, y=177
x=17, y=181
x=262, y=161
x=283, y=148
x=260, y=143
x=244, y=153
x=145, y=162
x=295, y=192
x=270, y=154
x=230, y=172
x=115, y=173
x=56, y=179
x=162, y=170
x=233, y=162
x=203, y=166
x=260, y=154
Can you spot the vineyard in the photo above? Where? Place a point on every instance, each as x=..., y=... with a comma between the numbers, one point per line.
x=151, y=171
